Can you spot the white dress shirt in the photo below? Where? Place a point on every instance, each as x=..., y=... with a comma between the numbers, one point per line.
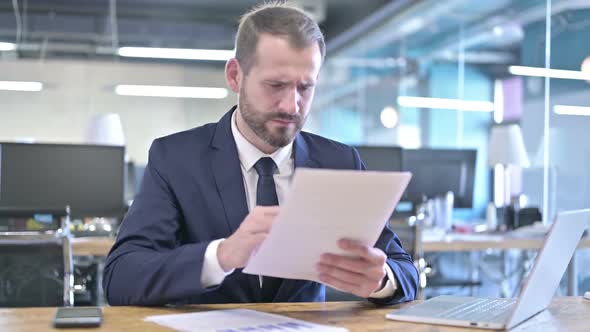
x=212, y=274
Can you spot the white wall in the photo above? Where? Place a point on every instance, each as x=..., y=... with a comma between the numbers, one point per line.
x=77, y=90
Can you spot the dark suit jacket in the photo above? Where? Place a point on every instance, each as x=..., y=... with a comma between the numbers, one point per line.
x=192, y=193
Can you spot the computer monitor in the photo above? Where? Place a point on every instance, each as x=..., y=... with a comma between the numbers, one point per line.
x=134, y=177
x=130, y=181
x=381, y=158
x=437, y=171
x=139, y=170
x=88, y=178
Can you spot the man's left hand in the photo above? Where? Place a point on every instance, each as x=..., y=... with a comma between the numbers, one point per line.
x=361, y=274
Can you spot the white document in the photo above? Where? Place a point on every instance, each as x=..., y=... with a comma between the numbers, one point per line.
x=321, y=207
x=237, y=320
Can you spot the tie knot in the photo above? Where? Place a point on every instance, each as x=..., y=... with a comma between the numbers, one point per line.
x=265, y=166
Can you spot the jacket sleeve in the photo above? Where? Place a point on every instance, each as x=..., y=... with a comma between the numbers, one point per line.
x=398, y=259
x=147, y=266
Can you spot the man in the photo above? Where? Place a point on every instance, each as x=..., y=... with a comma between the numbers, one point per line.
x=210, y=195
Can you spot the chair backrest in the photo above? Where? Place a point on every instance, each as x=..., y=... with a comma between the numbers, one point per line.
x=410, y=234
x=409, y=231
x=36, y=266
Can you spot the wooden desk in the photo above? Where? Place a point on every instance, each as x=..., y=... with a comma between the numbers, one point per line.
x=100, y=246
x=474, y=242
x=564, y=314
x=92, y=246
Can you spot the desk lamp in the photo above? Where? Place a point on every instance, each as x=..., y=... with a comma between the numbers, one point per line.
x=506, y=148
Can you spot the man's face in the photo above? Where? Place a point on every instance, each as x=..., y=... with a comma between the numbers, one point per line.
x=275, y=95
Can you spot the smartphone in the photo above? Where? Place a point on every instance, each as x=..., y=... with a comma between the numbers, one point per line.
x=78, y=317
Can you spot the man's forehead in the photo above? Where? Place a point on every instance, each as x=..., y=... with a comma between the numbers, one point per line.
x=271, y=45
x=285, y=74
x=288, y=63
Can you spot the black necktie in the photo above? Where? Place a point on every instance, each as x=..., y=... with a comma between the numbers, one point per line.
x=266, y=195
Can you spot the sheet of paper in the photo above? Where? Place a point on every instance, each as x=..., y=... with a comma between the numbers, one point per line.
x=321, y=207
x=237, y=320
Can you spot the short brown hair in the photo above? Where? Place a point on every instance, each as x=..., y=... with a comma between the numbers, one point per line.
x=277, y=18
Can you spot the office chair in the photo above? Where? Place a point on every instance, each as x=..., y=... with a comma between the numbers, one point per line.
x=409, y=231
x=36, y=266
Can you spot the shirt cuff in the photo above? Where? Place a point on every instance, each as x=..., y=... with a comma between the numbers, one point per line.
x=389, y=288
x=212, y=273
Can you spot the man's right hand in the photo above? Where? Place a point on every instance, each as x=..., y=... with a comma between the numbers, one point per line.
x=235, y=251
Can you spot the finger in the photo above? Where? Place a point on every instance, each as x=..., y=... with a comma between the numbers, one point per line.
x=354, y=264
x=256, y=239
x=246, y=245
x=370, y=271
x=371, y=254
x=266, y=210
x=339, y=284
x=341, y=274
x=254, y=242
x=364, y=290
x=259, y=226
x=259, y=223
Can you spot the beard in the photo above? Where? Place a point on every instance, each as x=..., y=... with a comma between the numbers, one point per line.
x=257, y=119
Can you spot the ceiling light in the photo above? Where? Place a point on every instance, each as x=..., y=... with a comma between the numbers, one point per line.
x=551, y=73
x=571, y=110
x=171, y=91
x=176, y=53
x=443, y=103
x=21, y=86
x=498, y=31
x=7, y=47
x=389, y=117
x=586, y=65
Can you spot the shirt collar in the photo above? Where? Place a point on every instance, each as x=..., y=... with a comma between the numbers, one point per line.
x=250, y=154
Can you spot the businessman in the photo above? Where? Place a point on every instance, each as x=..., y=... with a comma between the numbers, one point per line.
x=210, y=195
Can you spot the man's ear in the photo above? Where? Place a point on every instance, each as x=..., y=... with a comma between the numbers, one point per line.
x=233, y=74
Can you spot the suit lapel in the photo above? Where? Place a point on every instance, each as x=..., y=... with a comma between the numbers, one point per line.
x=225, y=165
x=301, y=154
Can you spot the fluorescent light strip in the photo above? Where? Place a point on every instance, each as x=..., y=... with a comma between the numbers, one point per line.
x=449, y=104
x=176, y=53
x=551, y=73
x=21, y=86
x=171, y=91
x=7, y=47
x=571, y=110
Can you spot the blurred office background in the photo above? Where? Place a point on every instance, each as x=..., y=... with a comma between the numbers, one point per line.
x=489, y=100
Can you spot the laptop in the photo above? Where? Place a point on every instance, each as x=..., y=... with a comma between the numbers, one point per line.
x=499, y=314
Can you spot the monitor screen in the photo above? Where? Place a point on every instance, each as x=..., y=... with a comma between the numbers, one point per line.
x=381, y=158
x=437, y=171
x=88, y=178
x=134, y=177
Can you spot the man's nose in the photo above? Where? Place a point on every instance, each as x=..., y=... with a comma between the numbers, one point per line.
x=290, y=101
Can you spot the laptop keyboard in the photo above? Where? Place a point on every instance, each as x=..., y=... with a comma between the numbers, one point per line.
x=483, y=310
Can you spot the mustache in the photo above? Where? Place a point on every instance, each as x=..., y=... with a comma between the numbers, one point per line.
x=284, y=116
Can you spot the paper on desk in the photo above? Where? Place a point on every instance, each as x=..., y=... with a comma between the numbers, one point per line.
x=321, y=207
x=237, y=320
